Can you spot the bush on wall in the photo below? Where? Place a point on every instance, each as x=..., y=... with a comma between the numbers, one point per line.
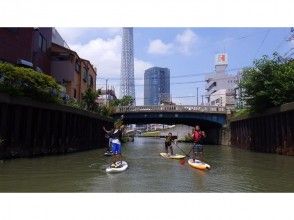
x=20, y=81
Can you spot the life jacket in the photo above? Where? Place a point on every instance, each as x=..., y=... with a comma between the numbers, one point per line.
x=197, y=136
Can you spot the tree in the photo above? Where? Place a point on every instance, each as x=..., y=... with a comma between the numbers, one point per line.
x=89, y=99
x=269, y=83
x=124, y=101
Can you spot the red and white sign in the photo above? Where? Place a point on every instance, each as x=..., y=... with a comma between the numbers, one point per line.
x=221, y=59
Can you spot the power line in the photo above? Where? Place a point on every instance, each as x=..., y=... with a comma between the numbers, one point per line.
x=261, y=44
x=182, y=76
x=180, y=83
x=191, y=96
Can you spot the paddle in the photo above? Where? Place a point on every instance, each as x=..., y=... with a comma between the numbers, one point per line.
x=182, y=161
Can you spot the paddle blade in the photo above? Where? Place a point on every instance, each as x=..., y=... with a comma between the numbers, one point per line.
x=182, y=161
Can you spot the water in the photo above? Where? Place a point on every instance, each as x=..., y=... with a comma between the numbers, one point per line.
x=233, y=170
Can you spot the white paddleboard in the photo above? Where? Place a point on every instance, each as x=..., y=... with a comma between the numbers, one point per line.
x=108, y=153
x=117, y=170
x=175, y=156
x=198, y=164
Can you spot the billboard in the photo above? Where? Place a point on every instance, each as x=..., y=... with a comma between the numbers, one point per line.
x=221, y=59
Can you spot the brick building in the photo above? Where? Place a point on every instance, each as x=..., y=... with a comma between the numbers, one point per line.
x=28, y=47
x=44, y=50
x=71, y=71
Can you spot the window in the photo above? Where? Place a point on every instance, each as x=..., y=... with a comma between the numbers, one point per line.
x=91, y=80
x=85, y=74
x=42, y=43
x=75, y=93
x=78, y=66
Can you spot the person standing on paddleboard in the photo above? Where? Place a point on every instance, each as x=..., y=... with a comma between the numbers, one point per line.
x=108, y=134
x=168, y=143
x=116, y=136
x=198, y=137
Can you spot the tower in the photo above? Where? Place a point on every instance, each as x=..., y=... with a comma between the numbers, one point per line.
x=127, y=81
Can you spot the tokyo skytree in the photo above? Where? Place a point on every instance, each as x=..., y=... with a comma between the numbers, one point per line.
x=127, y=81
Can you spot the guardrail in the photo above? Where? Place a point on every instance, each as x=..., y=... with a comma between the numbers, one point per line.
x=172, y=108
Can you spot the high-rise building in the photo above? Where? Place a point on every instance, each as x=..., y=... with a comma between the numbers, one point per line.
x=127, y=81
x=156, y=86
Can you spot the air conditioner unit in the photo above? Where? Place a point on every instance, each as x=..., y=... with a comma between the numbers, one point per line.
x=24, y=63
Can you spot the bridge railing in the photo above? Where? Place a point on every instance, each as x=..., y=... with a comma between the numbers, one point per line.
x=171, y=108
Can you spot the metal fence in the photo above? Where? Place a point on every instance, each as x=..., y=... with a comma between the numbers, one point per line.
x=172, y=108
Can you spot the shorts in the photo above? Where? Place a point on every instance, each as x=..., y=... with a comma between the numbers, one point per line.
x=116, y=148
x=197, y=148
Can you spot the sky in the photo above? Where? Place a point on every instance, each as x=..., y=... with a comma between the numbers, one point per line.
x=185, y=51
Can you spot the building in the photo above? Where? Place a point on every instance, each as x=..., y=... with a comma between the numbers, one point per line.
x=127, y=81
x=71, y=71
x=106, y=96
x=220, y=84
x=57, y=38
x=156, y=86
x=44, y=50
x=28, y=47
x=223, y=98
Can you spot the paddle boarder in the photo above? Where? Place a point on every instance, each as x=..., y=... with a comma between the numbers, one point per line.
x=116, y=135
x=198, y=137
x=168, y=143
x=108, y=148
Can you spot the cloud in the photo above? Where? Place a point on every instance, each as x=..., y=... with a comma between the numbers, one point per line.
x=105, y=54
x=186, y=41
x=77, y=35
x=183, y=43
x=159, y=47
x=71, y=35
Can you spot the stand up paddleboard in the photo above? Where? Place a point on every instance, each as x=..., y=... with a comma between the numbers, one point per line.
x=108, y=153
x=198, y=164
x=117, y=170
x=175, y=156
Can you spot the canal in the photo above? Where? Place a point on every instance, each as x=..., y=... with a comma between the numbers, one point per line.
x=233, y=170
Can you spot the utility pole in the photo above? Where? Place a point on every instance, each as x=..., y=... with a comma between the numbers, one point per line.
x=106, y=81
x=202, y=100
x=197, y=95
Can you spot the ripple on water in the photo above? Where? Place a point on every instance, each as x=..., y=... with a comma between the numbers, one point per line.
x=233, y=170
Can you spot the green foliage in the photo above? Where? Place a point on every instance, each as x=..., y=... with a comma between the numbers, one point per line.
x=151, y=134
x=124, y=101
x=241, y=113
x=75, y=104
x=269, y=83
x=1, y=141
x=20, y=81
x=107, y=110
x=89, y=100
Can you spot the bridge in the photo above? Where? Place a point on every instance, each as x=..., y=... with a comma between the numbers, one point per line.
x=206, y=116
